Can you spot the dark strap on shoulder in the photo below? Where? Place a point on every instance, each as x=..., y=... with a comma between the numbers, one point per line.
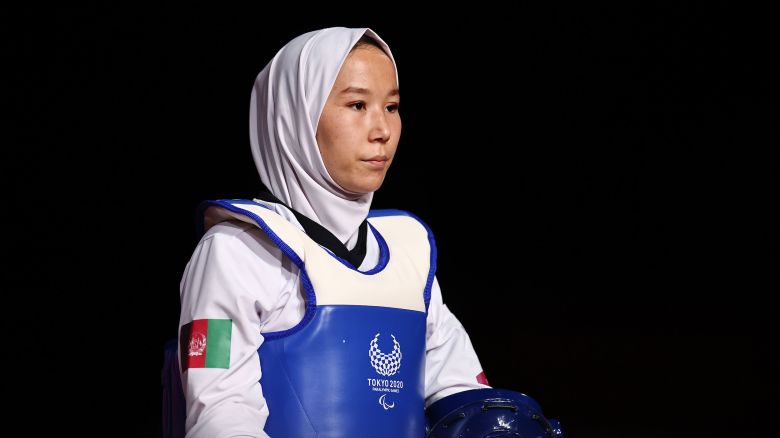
x=322, y=236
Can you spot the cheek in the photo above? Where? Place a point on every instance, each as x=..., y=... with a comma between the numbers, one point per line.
x=335, y=130
x=335, y=146
x=327, y=139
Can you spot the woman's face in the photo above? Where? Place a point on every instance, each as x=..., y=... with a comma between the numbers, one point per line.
x=360, y=125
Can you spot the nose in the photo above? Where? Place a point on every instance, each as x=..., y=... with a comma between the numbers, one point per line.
x=380, y=127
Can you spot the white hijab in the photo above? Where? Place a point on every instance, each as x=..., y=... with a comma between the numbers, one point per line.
x=287, y=100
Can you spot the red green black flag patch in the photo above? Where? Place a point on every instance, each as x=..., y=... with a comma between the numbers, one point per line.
x=205, y=343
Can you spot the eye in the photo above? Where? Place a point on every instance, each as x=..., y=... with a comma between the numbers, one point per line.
x=358, y=105
x=392, y=108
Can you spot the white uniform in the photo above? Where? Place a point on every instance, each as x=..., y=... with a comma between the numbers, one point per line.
x=237, y=273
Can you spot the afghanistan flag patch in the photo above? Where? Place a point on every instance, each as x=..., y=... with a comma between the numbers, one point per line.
x=205, y=343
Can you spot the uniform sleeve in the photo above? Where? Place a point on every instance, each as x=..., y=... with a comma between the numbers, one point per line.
x=451, y=364
x=239, y=276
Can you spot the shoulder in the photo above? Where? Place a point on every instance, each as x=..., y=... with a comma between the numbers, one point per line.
x=228, y=230
x=235, y=241
x=235, y=266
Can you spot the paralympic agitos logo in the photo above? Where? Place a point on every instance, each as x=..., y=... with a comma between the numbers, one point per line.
x=385, y=364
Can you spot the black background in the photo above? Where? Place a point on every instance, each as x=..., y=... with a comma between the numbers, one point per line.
x=600, y=180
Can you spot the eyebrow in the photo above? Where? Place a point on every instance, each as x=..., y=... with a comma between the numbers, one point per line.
x=358, y=90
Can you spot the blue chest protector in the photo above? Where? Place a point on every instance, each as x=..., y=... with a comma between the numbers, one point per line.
x=355, y=365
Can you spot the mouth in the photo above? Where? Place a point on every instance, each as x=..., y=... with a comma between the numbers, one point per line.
x=376, y=162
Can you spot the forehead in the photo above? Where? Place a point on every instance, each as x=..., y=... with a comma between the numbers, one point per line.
x=367, y=63
x=367, y=49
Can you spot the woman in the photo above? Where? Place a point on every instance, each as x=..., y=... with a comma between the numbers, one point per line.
x=303, y=312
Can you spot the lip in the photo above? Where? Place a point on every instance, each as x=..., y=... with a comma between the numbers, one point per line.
x=377, y=161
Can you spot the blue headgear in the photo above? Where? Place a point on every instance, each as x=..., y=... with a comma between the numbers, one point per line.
x=489, y=413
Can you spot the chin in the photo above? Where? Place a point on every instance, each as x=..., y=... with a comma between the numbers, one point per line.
x=363, y=185
x=374, y=187
x=364, y=189
x=367, y=190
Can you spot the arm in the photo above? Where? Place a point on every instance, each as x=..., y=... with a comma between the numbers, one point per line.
x=235, y=275
x=451, y=365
